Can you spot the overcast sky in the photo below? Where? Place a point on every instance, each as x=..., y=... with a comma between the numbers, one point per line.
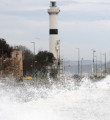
x=83, y=24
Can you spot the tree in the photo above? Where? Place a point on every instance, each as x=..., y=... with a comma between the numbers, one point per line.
x=27, y=62
x=27, y=59
x=5, y=52
x=44, y=59
x=5, y=49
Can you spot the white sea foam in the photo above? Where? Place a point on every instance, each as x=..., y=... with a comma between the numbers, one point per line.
x=67, y=100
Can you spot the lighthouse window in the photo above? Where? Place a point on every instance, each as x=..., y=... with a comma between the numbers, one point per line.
x=53, y=31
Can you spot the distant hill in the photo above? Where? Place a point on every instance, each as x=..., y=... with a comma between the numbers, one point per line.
x=72, y=66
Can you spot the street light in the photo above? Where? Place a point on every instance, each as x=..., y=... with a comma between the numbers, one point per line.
x=59, y=62
x=34, y=59
x=105, y=64
x=59, y=48
x=96, y=65
x=34, y=46
x=93, y=61
x=101, y=63
x=81, y=66
x=78, y=60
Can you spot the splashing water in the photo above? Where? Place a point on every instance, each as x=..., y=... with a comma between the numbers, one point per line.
x=66, y=100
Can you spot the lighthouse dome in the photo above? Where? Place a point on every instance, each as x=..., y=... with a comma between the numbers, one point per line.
x=53, y=3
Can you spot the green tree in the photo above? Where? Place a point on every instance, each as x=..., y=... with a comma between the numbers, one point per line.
x=44, y=59
x=5, y=49
x=27, y=60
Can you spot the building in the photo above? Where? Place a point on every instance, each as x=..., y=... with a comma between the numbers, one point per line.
x=13, y=67
x=17, y=64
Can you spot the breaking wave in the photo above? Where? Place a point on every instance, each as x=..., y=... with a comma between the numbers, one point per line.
x=63, y=100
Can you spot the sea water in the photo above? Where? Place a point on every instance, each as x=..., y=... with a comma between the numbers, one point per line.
x=64, y=100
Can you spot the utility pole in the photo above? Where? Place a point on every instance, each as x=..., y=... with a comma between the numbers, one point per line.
x=96, y=65
x=59, y=62
x=78, y=61
x=105, y=64
x=81, y=66
x=93, y=61
x=34, y=59
x=101, y=63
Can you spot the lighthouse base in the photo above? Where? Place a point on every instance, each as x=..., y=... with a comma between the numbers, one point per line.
x=56, y=70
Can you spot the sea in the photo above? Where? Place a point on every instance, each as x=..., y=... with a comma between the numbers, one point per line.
x=56, y=100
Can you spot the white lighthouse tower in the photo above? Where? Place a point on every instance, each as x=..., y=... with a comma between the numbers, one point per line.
x=53, y=31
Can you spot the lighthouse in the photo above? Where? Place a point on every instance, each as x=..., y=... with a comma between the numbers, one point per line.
x=53, y=12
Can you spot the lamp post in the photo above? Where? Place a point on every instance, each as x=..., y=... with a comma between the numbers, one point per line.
x=101, y=63
x=78, y=60
x=34, y=46
x=96, y=65
x=93, y=61
x=58, y=48
x=34, y=59
x=105, y=64
x=81, y=66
